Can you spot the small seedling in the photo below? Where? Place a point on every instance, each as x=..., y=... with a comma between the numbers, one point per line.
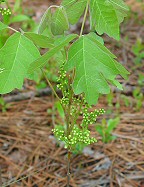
x=106, y=128
x=138, y=95
x=141, y=79
x=4, y=106
x=110, y=97
x=138, y=50
x=126, y=100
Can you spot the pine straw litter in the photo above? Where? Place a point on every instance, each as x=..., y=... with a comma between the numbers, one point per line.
x=30, y=156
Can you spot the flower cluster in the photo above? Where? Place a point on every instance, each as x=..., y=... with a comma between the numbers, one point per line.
x=77, y=136
x=5, y=11
x=76, y=102
x=62, y=85
x=90, y=117
x=60, y=134
x=65, y=101
x=62, y=80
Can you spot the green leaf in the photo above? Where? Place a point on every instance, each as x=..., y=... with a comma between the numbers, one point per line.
x=112, y=123
x=100, y=130
x=42, y=61
x=106, y=16
x=35, y=76
x=19, y=18
x=45, y=21
x=59, y=22
x=96, y=38
x=95, y=65
x=116, y=83
x=60, y=109
x=74, y=9
x=40, y=40
x=16, y=56
x=2, y=26
x=120, y=8
x=119, y=4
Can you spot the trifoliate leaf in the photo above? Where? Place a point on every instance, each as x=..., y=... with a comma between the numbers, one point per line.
x=40, y=40
x=95, y=67
x=59, y=22
x=16, y=56
x=42, y=61
x=2, y=26
x=106, y=16
x=45, y=21
x=74, y=9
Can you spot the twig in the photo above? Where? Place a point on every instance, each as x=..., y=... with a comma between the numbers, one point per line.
x=29, y=95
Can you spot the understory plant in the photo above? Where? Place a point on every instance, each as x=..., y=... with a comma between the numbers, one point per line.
x=3, y=105
x=105, y=129
x=86, y=67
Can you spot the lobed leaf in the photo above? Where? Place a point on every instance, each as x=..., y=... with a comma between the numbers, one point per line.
x=106, y=16
x=121, y=9
x=40, y=62
x=16, y=56
x=95, y=67
x=74, y=9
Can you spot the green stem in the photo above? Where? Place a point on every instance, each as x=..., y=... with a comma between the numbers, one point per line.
x=77, y=114
x=84, y=19
x=50, y=85
x=68, y=120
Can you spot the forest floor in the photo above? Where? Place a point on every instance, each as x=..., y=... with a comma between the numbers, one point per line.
x=30, y=156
